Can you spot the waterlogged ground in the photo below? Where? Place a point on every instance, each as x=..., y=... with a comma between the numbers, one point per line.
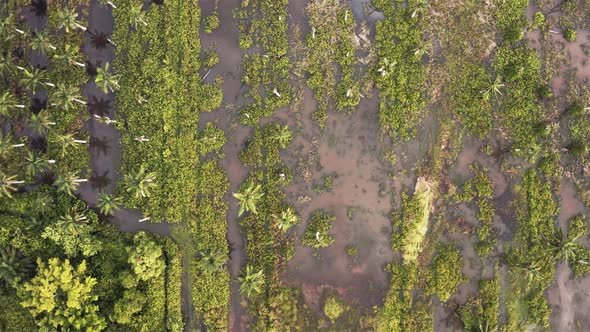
x=365, y=188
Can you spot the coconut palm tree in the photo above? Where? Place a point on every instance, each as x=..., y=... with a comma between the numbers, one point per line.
x=108, y=204
x=283, y=137
x=34, y=79
x=40, y=43
x=69, y=57
x=286, y=219
x=8, y=102
x=139, y=183
x=68, y=183
x=14, y=265
x=105, y=80
x=72, y=222
x=36, y=163
x=8, y=185
x=40, y=122
x=67, y=141
x=64, y=96
x=248, y=198
x=251, y=282
x=7, y=144
x=494, y=88
x=67, y=19
x=137, y=16
x=105, y=3
x=212, y=260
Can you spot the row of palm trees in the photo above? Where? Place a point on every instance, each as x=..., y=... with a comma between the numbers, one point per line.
x=61, y=96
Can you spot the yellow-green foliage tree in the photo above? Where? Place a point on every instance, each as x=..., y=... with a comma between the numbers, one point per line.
x=146, y=257
x=61, y=298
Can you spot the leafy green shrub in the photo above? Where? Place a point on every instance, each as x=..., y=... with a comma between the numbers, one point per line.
x=538, y=20
x=334, y=307
x=570, y=35
x=482, y=310
x=445, y=272
x=316, y=235
x=211, y=23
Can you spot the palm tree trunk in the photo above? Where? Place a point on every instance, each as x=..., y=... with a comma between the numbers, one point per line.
x=49, y=84
x=16, y=182
x=19, y=106
x=79, y=64
x=80, y=141
x=111, y=4
x=79, y=101
x=111, y=42
x=80, y=180
x=18, y=145
x=19, y=31
x=83, y=28
x=144, y=219
x=51, y=161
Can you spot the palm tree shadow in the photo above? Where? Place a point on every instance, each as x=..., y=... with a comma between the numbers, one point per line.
x=101, y=145
x=39, y=7
x=100, y=181
x=99, y=40
x=92, y=68
x=99, y=107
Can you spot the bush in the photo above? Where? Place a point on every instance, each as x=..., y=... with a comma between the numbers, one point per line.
x=570, y=35
x=333, y=307
x=211, y=23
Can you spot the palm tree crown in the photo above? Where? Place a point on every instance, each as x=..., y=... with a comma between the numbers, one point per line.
x=7, y=185
x=67, y=19
x=40, y=122
x=108, y=204
x=283, y=137
x=248, y=198
x=286, y=219
x=251, y=282
x=212, y=260
x=64, y=96
x=68, y=183
x=8, y=102
x=33, y=79
x=105, y=80
x=139, y=183
x=137, y=16
x=40, y=43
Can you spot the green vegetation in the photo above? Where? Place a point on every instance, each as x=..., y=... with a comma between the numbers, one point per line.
x=473, y=93
x=330, y=59
x=334, y=307
x=445, y=272
x=266, y=67
x=399, y=73
x=316, y=235
x=480, y=190
x=510, y=19
x=159, y=100
x=530, y=259
x=412, y=223
x=481, y=312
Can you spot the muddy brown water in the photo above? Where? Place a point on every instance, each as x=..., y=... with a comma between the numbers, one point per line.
x=225, y=41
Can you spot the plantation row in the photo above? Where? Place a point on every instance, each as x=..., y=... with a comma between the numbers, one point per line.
x=266, y=65
x=331, y=58
x=159, y=102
